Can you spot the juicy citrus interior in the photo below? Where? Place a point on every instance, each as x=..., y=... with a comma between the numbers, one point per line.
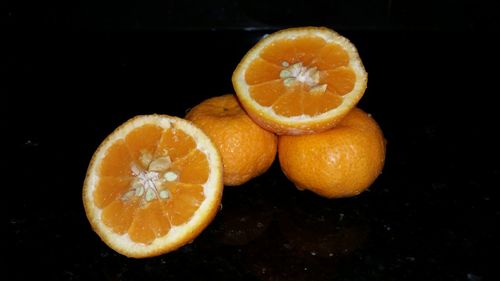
x=149, y=181
x=303, y=75
x=300, y=80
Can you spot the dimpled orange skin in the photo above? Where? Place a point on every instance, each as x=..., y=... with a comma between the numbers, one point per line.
x=246, y=149
x=341, y=162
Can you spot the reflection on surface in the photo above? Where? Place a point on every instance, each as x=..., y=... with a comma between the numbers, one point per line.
x=329, y=235
x=277, y=233
x=240, y=227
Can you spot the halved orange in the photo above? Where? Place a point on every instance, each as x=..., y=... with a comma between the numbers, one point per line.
x=300, y=80
x=153, y=185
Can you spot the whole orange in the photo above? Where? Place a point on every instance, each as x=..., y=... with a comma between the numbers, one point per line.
x=247, y=150
x=340, y=162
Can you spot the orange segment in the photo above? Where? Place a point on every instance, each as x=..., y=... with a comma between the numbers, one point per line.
x=340, y=80
x=108, y=189
x=139, y=231
x=142, y=143
x=331, y=56
x=315, y=104
x=149, y=223
x=156, y=218
x=193, y=168
x=261, y=71
x=290, y=104
x=117, y=162
x=186, y=199
x=267, y=93
x=175, y=143
x=301, y=49
x=119, y=215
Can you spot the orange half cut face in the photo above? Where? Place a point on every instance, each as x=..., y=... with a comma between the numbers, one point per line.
x=152, y=185
x=300, y=80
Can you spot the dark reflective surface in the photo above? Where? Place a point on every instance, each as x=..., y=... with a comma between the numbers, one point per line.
x=432, y=215
x=191, y=14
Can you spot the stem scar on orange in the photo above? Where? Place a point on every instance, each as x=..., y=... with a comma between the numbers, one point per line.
x=152, y=185
x=300, y=80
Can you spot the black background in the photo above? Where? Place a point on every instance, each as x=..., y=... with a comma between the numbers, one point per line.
x=73, y=72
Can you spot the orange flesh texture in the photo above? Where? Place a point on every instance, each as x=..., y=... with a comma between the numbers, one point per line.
x=143, y=220
x=268, y=89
